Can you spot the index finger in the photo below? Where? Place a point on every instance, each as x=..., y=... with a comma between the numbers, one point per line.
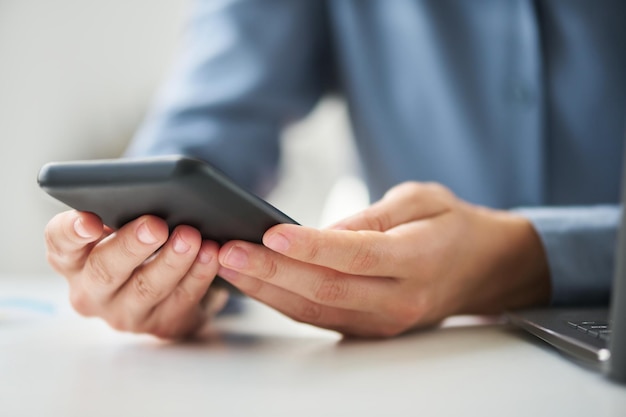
x=367, y=252
x=69, y=236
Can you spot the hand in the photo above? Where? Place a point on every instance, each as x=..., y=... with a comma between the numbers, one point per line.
x=138, y=278
x=412, y=259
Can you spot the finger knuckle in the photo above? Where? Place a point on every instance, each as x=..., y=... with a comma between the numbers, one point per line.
x=128, y=249
x=54, y=261
x=419, y=189
x=313, y=251
x=330, y=290
x=169, y=263
x=51, y=243
x=81, y=302
x=383, y=221
x=377, y=220
x=97, y=271
x=410, y=188
x=270, y=269
x=309, y=312
x=254, y=287
x=144, y=288
x=365, y=257
x=183, y=296
x=54, y=255
x=214, y=300
x=440, y=190
x=163, y=331
x=200, y=274
x=121, y=323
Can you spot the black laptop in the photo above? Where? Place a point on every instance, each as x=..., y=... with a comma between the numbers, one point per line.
x=596, y=336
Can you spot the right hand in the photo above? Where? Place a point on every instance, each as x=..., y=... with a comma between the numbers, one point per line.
x=137, y=278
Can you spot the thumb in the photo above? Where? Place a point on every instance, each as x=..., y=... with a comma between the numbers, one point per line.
x=409, y=201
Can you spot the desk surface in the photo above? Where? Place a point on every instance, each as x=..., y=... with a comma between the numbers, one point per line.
x=55, y=363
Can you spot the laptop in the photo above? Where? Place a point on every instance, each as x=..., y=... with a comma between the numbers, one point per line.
x=596, y=336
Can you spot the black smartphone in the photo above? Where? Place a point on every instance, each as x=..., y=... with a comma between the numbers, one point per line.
x=178, y=189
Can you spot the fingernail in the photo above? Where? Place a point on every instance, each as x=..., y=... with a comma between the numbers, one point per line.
x=180, y=246
x=80, y=229
x=277, y=242
x=204, y=257
x=236, y=258
x=145, y=235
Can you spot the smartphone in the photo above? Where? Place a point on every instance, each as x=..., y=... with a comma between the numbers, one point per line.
x=178, y=189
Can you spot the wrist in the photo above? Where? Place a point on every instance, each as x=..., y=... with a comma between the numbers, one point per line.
x=516, y=272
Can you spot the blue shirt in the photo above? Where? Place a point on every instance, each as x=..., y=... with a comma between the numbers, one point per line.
x=513, y=104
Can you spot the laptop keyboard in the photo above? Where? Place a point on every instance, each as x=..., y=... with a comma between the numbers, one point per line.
x=596, y=329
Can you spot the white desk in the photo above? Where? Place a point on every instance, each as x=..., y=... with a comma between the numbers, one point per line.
x=264, y=364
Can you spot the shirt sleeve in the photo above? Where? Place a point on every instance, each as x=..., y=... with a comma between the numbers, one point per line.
x=580, y=246
x=245, y=69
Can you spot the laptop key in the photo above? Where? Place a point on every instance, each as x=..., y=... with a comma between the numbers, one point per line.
x=592, y=328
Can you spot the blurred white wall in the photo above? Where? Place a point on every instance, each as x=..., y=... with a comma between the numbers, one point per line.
x=76, y=77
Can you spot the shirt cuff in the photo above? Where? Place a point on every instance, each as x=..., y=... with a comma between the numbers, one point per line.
x=580, y=245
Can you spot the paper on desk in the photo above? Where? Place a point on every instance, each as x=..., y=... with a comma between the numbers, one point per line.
x=14, y=309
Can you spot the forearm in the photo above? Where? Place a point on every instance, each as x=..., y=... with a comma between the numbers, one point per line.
x=245, y=69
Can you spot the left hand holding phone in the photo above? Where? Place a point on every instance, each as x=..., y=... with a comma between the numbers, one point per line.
x=140, y=278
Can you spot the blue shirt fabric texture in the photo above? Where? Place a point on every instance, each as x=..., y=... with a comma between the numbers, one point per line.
x=512, y=104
